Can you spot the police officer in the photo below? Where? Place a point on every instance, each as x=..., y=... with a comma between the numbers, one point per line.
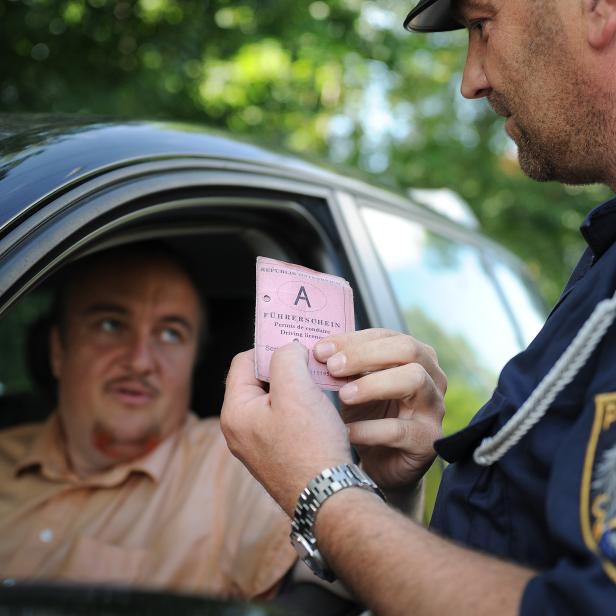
x=525, y=519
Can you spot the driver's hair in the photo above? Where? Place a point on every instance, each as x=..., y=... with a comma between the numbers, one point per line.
x=154, y=250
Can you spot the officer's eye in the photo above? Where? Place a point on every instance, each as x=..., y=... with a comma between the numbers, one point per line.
x=477, y=25
x=171, y=335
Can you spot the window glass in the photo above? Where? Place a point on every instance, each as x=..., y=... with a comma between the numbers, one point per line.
x=528, y=310
x=449, y=301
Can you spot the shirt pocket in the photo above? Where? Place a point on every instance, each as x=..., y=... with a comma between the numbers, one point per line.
x=90, y=560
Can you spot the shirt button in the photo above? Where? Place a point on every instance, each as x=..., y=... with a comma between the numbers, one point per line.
x=46, y=535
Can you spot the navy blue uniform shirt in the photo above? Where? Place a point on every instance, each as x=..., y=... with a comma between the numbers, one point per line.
x=550, y=502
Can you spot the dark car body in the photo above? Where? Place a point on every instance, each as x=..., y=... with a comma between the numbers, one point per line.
x=70, y=186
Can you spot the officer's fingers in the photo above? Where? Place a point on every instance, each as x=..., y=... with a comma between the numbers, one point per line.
x=241, y=383
x=245, y=401
x=409, y=383
x=329, y=345
x=413, y=436
x=383, y=353
x=290, y=378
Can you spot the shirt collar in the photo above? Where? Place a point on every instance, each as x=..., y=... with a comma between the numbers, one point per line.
x=47, y=455
x=599, y=227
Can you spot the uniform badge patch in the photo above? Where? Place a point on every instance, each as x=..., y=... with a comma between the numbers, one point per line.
x=598, y=493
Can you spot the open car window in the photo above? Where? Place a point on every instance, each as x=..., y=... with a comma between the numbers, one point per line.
x=221, y=251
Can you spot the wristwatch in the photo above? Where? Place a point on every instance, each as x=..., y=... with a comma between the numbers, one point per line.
x=318, y=490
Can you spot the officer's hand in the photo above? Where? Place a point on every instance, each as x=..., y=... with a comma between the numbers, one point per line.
x=287, y=436
x=394, y=408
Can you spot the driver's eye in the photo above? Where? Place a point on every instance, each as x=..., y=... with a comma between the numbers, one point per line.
x=170, y=335
x=109, y=326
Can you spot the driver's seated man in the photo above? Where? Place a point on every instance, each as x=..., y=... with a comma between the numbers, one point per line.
x=123, y=484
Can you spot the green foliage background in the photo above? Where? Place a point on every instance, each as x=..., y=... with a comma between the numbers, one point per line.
x=339, y=79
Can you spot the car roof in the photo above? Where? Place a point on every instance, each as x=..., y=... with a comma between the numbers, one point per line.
x=42, y=155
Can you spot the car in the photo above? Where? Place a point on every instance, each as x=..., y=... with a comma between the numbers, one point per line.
x=72, y=185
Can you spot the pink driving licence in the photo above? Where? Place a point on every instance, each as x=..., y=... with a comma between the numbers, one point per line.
x=295, y=303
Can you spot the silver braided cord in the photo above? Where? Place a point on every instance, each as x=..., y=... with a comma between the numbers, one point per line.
x=560, y=375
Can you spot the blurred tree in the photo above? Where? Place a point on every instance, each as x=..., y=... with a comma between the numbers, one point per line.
x=339, y=79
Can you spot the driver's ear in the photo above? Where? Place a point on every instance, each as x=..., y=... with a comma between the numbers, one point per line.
x=600, y=22
x=55, y=351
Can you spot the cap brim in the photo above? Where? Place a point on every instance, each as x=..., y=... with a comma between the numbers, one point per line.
x=432, y=16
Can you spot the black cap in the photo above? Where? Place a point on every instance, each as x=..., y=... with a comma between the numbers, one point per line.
x=432, y=16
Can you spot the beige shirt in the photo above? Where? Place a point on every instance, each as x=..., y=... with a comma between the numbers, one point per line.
x=186, y=517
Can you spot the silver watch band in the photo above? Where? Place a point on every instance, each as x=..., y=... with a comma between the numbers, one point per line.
x=318, y=490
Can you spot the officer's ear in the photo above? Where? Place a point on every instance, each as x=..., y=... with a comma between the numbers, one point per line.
x=600, y=18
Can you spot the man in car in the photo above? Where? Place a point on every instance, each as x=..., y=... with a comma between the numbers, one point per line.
x=525, y=522
x=123, y=484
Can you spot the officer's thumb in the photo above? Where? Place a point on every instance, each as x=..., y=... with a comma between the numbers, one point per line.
x=289, y=374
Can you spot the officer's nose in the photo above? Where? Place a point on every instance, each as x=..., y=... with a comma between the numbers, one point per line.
x=475, y=83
